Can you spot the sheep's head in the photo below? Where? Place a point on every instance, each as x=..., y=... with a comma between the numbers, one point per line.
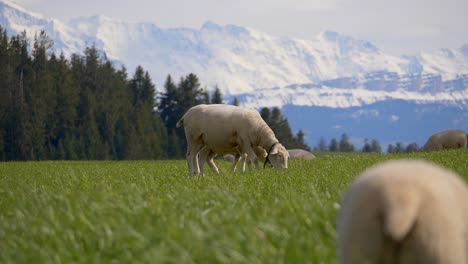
x=278, y=156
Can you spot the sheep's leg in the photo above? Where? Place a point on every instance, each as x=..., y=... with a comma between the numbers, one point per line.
x=234, y=164
x=244, y=159
x=202, y=157
x=188, y=157
x=247, y=149
x=211, y=163
x=207, y=155
x=192, y=159
x=196, y=164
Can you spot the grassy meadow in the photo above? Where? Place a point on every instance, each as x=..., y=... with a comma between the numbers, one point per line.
x=152, y=212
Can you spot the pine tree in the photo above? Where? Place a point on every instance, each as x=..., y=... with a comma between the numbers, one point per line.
x=391, y=149
x=322, y=145
x=62, y=131
x=281, y=128
x=86, y=71
x=190, y=93
x=217, y=97
x=299, y=141
x=411, y=148
x=206, y=97
x=275, y=118
x=170, y=110
x=375, y=146
x=345, y=145
x=41, y=96
x=122, y=107
x=5, y=88
x=17, y=126
x=168, y=104
x=367, y=146
x=139, y=91
x=148, y=128
x=333, y=145
x=265, y=114
x=399, y=148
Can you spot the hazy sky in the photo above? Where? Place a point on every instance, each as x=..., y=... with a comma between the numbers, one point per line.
x=395, y=26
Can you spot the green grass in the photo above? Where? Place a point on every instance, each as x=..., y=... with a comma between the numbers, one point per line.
x=151, y=212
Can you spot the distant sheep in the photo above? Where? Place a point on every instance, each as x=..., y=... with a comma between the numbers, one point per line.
x=229, y=129
x=229, y=157
x=300, y=154
x=447, y=139
x=404, y=212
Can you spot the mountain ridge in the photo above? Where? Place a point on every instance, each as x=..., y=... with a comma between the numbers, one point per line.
x=238, y=59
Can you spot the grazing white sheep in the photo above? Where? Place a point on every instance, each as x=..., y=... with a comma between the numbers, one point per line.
x=225, y=128
x=448, y=139
x=229, y=157
x=208, y=155
x=300, y=154
x=404, y=212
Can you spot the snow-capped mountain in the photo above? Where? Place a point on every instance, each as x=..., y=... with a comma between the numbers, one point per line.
x=16, y=19
x=237, y=59
x=324, y=96
x=327, y=85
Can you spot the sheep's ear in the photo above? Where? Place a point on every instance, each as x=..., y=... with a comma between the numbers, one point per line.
x=274, y=150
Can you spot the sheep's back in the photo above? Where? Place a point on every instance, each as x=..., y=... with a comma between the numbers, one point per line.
x=220, y=126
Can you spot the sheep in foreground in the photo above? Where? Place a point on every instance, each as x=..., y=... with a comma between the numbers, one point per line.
x=300, y=154
x=447, y=139
x=404, y=212
x=229, y=129
x=208, y=155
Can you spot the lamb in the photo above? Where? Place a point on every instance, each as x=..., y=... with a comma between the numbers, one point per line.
x=404, y=212
x=300, y=154
x=229, y=129
x=207, y=155
x=447, y=139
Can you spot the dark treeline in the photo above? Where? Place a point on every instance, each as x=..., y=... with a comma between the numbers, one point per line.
x=82, y=108
x=401, y=148
x=52, y=107
x=344, y=145
x=339, y=146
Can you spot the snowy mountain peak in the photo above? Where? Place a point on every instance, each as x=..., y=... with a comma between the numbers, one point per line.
x=232, y=30
x=15, y=8
x=19, y=19
x=89, y=25
x=347, y=43
x=238, y=59
x=211, y=26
